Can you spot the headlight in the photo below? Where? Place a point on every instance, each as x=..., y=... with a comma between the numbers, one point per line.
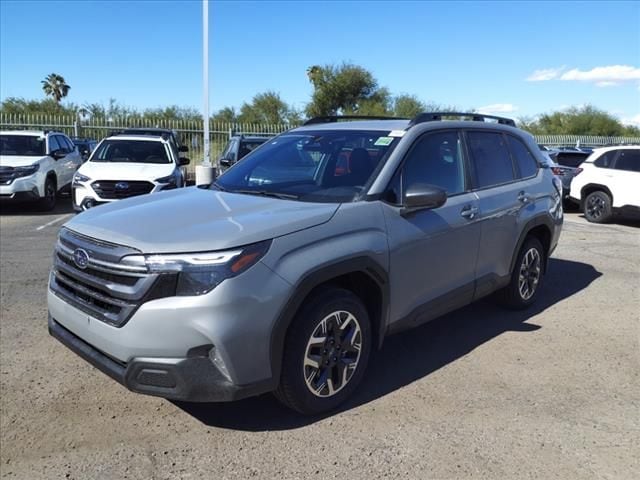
x=79, y=178
x=199, y=273
x=26, y=171
x=169, y=182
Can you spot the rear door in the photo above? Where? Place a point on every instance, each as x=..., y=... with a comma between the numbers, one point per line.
x=502, y=197
x=624, y=178
x=432, y=252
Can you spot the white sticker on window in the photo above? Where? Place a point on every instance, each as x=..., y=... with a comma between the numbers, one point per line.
x=383, y=141
x=397, y=133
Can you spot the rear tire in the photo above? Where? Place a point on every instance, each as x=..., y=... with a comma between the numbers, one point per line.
x=597, y=207
x=48, y=202
x=526, y=278
x=326, y=352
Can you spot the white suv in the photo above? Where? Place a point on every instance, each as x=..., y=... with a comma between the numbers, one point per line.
x=36, y=165
x=124, y=166
x=609, y=183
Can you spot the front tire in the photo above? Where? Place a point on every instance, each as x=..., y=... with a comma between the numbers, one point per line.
x=326, y=352
x=526, y=278
x=597, y=207
x=48, y=202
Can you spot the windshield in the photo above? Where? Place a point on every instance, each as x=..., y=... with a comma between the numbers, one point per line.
x=323, y=166
x=25, y=145
x=131, y=151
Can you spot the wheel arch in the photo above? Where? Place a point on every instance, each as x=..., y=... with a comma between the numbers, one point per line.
x=361, y=275
x=590, y=188
x=540, y=227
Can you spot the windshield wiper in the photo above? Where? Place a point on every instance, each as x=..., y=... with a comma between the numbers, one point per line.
x=266, y=193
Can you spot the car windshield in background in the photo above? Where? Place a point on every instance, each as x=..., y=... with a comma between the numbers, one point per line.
x=24, y=145
x=248, y=146
x=130, y=151
x=324, y=166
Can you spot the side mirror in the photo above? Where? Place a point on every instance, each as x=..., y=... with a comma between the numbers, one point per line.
x=182, y=161
x=183, y=148
x=58, y=154
x=422, y=196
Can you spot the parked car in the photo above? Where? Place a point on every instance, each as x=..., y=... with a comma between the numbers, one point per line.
x=127, y=165
x=285, y=275
x=85, y=146
x=238, y=147
x=172, y=135
x=36, y=165
x=609, y=184
x=567, y=166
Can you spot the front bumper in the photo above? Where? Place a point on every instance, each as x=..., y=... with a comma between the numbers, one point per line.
x=192, y=379
x=23, y=188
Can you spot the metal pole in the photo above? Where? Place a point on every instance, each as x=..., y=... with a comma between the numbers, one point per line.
x=205, y=79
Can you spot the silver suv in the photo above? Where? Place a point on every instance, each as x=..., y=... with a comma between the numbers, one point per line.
x=287, y=272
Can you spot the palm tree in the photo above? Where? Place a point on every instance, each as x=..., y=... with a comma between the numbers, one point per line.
x=55, y=86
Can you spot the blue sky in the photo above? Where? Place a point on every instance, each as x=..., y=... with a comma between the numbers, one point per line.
x=518, y=58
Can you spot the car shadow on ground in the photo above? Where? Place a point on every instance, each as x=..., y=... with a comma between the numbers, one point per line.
x=63, y=206
x=619, y=220
x=409, y=356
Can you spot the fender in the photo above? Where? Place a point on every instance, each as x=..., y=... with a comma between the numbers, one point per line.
x=315, y=278
x=541, y=219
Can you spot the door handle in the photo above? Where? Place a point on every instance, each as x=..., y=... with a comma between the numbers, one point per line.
x=523, y=197
x=469, y=212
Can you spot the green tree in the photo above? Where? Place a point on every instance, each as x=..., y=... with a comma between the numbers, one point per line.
x=586, y=120
x=408, y=106
x=54, y=86
x=269, y=108
x=345, y=89
x=226, y=115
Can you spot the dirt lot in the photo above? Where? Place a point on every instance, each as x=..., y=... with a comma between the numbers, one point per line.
x=482, y=393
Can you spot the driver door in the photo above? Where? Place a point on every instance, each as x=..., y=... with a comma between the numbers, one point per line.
x=433, y=253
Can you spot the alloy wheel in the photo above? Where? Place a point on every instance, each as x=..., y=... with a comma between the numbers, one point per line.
x=332, y=353
x=529, y=273
x=595, y=207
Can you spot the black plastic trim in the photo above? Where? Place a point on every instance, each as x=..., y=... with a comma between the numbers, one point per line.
x=192, y=379
x=315, y=278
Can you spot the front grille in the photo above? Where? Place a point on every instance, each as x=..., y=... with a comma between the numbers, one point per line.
x=105, y=289
x=118, y=189
x=7, y=175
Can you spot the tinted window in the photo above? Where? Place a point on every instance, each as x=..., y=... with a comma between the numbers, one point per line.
x=523, y=157
x=21, y=145
x=606, y=159
x=628, y=160
x=130, y=151
x=53, y=143
x=66, y=143
x=436, y=159
x=571, y=159
x=491, y=159
x=305, y=165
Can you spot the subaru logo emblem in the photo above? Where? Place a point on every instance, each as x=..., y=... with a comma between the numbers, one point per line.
x=122, y=186
x=80, y=258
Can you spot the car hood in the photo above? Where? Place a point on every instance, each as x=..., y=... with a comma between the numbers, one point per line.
x=19, y=161
x=196, y=220
x=126, y=171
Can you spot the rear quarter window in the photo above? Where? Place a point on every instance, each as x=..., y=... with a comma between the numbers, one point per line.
x=525, y=160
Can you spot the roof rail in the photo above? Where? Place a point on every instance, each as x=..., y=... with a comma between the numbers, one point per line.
x=476, y=117
x=336, y=118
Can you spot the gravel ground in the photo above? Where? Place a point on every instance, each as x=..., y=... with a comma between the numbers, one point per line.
x=481, y=393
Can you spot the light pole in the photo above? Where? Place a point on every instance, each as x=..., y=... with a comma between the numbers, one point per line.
x=205, y=173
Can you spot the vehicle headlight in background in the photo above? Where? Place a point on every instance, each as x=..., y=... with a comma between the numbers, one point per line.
x=169, y=182
x=79, y=178
x=199, y=273
x=26, y=171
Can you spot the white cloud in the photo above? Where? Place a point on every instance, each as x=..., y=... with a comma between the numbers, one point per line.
x=607, y=76
x=633, y=121
x=498, y=108
x=604, y=76
x=545, y=74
